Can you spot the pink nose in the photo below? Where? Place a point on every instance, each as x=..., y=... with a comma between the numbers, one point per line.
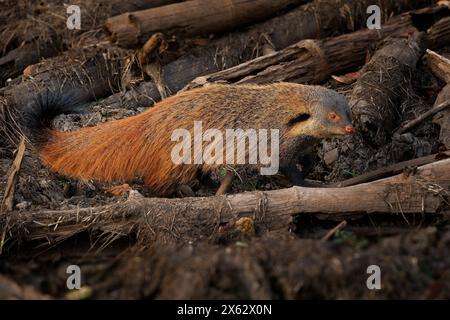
x=349, y=128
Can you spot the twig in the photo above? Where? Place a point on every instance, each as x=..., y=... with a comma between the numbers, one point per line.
x=332, y=232
x=390, y=170
x=8, y=197
x=413, y=123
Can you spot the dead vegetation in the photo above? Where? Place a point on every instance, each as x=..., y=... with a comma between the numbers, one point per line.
x=385, y=201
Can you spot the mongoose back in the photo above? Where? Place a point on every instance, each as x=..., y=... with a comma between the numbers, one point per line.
x=141, y=145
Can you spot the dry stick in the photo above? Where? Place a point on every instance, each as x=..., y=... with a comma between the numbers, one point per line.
x=413, y=123
x=149, y=61
x=226, y=182
x=390, y=170
x=3, y=237
x=333, y=231
x=8, y=197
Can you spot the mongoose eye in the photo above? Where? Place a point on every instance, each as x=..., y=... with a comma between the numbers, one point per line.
x=333, y=116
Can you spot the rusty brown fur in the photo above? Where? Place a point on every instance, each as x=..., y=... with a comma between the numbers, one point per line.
x=141, y=145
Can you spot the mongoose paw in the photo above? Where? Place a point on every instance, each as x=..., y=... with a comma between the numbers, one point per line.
x=184, y=190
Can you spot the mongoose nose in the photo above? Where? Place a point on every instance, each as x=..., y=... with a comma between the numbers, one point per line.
x=349, y=128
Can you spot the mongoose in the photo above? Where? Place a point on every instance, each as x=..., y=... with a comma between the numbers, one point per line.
x=141, y=145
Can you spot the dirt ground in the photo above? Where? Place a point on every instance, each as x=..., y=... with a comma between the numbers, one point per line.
x=292, y=263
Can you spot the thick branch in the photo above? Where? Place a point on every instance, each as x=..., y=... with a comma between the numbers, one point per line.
x=191, y=18
x=312, y=61
x=194, y=218
x=83, y=75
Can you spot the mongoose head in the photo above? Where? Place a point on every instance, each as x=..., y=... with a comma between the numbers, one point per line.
x=327, y=114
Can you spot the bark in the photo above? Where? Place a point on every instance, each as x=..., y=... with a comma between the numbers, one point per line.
x=275, y=34
x=40, y=35
x=441, y=68
x=383, y=86
x=190, y=219
x=439, y=33
x=196, y=17
x=315, y=60
x=319, y=19
x=443, y=117
x=309, y=61
x=86, y=74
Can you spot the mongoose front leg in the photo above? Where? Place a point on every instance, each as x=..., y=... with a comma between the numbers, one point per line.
x=184, y=190
x=297, y=150
x=294, y=175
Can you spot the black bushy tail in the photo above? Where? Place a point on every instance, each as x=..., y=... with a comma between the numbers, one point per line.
x=38, y=114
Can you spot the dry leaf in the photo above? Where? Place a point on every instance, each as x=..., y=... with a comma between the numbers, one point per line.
x=348, y=78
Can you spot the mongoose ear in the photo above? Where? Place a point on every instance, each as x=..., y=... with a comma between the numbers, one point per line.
x=299, y=118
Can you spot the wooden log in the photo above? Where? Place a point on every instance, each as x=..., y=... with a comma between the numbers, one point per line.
x=309, y=21
x=443, y=117
x=383, y=86
x=439, y=33
x=440, y=66
x=115, y=7
x=441, y=69
x=87, y=73
x=42, y=35
x=195, y=17
x=190, y=219
x=312, y=61
x=309, y=61
x=316, y=19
